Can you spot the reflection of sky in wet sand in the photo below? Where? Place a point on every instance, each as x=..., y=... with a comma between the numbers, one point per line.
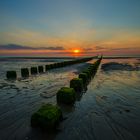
x=20, y=98
x=109, y=109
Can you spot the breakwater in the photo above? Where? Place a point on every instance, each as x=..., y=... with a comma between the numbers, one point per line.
x=26, y=72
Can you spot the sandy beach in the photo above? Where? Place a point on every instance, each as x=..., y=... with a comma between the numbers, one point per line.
x=110, y=108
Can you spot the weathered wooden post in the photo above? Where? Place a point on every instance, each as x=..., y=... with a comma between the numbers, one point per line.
x=33, y=70
x=40, y=69
x=24, y=72
x=11, y=75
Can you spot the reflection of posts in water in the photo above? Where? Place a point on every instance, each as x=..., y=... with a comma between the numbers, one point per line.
x=66, y=109
x=80, y=94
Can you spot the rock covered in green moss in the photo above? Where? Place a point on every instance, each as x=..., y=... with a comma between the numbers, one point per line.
x=11, y=75
x=48, y=116
x=88, y=73
x=77, y=84
x=84, y=77
x=66, y=95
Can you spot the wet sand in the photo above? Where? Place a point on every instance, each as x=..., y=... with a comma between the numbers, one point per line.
x=106, y=111
x=110, y=108
x=19, y=99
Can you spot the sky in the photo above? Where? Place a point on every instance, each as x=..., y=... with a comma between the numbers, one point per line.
x=58, y=27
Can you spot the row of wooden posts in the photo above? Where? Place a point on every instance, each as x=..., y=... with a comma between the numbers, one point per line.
x=25, y=72
x=49, y=116
x=78, y=84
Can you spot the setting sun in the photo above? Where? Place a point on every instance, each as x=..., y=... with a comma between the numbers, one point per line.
x=76, y=51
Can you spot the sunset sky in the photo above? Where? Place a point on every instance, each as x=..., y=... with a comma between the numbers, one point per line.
x=59, y=27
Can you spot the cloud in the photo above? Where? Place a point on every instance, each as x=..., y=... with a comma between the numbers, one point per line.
x=99, y=47
x=94, y=48
x=54, y=48
x=121, y=49
x=14, y=47
x=88, y=41
x=21, y=47
x=88, y=49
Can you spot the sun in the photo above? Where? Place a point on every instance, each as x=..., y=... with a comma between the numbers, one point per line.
x=76, y=51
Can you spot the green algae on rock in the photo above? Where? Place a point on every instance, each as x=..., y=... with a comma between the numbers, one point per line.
x=84, y=77
x=77, y=84
x=66, y=95
x=47, y=117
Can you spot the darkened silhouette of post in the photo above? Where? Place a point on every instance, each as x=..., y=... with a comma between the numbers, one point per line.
x=24, y=72
x=11, y=75
x=34, y=70
x=40, y=69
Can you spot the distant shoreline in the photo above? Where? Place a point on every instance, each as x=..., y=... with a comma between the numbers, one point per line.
x=37, y=57
x=105, y=57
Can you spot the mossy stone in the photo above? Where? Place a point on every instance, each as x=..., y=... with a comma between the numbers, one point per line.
x=77, y=84
x=88, y=73
x=25, y=72
x=90, y=70
x=84, y=77
x=66, y=95
x=48, y=116
x=11, y=75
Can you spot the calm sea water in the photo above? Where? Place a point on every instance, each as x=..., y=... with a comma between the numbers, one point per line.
x=109, y=109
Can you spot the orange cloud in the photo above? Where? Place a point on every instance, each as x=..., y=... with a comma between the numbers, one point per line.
x=90, y=42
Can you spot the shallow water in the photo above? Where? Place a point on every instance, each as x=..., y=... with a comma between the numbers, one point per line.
x=17, y=64
x=20, y=98
x=110, y=108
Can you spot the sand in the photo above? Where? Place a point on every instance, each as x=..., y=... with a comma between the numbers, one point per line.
x=109, y=109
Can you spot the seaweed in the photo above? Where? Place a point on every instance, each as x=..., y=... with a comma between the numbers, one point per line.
x=66, y=95
x=48, y=117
